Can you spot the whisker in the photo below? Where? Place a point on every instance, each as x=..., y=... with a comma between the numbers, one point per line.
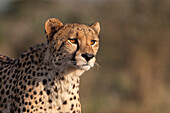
x=98, y=66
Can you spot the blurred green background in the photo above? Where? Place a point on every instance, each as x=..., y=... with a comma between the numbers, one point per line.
x=134, y=55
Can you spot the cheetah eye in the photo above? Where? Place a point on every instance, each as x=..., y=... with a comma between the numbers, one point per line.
x=93, y=42
x=73, y=40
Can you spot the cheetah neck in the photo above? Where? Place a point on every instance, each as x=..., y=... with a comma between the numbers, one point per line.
x=63, y=87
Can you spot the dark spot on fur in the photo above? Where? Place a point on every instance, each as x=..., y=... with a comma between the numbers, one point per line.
x=44, y=81
x=65, y=102
x=48, y=92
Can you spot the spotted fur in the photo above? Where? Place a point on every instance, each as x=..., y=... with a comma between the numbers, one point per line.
x=45, y=78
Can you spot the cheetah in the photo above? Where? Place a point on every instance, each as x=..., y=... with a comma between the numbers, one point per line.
x=46, y=77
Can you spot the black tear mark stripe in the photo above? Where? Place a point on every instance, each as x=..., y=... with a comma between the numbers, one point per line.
x=74, y=55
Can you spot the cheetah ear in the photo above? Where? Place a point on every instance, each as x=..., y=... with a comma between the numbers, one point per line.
x=52, y=25
x=96, y=27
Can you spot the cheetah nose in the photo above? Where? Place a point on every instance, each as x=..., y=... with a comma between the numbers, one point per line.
x=87, y=56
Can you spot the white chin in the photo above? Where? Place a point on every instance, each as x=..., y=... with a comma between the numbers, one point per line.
x=86, y=68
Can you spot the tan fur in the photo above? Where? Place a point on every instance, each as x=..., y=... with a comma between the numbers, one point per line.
x=46, y=78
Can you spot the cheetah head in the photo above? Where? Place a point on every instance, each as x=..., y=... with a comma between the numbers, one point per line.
x=73, y=45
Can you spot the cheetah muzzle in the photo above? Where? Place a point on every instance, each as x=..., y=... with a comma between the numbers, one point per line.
x=46, y=78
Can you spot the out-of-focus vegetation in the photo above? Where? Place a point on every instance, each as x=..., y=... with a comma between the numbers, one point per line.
x=134, y=55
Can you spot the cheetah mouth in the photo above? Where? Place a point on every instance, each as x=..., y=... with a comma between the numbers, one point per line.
x=85, y=67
